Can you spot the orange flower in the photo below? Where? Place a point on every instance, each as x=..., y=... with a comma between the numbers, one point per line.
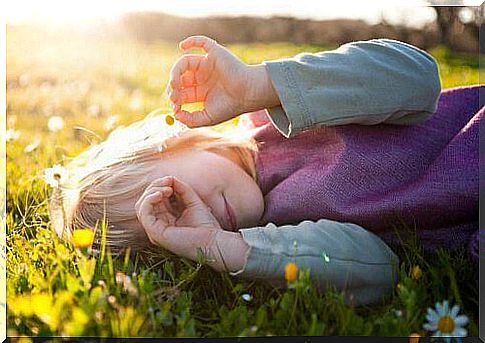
x=414, y=338
x=291, y=272
x=169, y=120
x=416, y=273
x=82, y=238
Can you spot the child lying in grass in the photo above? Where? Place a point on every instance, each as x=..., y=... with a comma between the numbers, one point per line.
x=295, y=184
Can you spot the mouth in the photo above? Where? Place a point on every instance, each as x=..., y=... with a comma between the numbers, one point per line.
x=230, y=215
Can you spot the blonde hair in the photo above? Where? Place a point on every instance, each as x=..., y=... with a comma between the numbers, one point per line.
x=115, y=171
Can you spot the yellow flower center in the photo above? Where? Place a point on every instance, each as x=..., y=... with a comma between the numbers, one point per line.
x=169, y=120
x=82, y=238
x=446, y=324
x=291, y=271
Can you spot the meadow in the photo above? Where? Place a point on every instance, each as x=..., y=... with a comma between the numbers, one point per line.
x=67, y=91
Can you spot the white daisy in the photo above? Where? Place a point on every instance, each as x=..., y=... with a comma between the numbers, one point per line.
x=55, y=123
x=11, y=120
x=32, y=146
x=445, y=322
x=12, y=135
x=55, y=175
x=111, y=122
x=94, y=110
x=135, y=101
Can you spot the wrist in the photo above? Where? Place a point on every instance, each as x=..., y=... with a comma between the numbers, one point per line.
x=230, y=251
x=260, y=93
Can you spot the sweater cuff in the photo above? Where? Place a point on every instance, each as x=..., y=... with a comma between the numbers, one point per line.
x=293, y=116
x=260, y=263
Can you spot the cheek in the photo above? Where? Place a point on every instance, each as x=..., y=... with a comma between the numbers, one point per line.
x=251, y=203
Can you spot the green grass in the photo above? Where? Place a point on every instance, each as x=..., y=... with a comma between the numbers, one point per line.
x=53, y=289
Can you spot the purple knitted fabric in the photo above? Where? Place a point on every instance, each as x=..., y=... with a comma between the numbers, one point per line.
x=386, y=178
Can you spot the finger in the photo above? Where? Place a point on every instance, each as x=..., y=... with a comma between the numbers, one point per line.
x=187, y=194
x=174, y=96
x=188, y=79
x=191, y=95
x=160, y=186
x=152, y=199
x=145, y=213
x=195, y=119
x=206, y=66
x=162, y=181
x=206, y=43
x=184, y=63
x=165, y=190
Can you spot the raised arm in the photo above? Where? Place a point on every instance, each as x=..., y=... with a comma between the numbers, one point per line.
x=365, y=82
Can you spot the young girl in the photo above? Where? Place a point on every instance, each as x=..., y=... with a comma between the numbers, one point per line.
x=325, y=196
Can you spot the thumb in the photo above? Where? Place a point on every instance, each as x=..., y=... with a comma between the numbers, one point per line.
x=195, y=119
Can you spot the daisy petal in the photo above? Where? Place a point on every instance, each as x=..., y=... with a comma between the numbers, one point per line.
x=439, y=309
x=431, y=319
x=454, y=311
x=461, y=320
x=445, y=307
x=430, y=327
x=460, y=332
x=432, y=316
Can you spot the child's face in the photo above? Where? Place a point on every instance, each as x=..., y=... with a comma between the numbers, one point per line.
x=215, y=178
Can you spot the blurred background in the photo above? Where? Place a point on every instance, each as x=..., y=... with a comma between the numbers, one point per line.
x=456, y=27
x=425, y=23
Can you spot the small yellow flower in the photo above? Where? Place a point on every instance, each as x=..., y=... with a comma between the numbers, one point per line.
x=169, y=120
x=414, y=338
x=82, y=238
x=291, y=271
x=416, y=273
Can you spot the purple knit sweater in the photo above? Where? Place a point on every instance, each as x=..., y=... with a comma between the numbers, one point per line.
x=388, y=179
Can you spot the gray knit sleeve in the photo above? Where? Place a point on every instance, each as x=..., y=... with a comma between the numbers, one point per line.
x=364, y=82
x=343, y=255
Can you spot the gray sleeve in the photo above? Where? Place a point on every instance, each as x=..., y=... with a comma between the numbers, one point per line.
x=364, y=82
x=341, y=255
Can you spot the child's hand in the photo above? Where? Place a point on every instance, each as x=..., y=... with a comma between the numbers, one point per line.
x=169, y=202
x=227, y=86
x=187, y=227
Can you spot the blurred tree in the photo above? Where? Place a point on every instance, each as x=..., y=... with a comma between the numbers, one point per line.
x=457, y=20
